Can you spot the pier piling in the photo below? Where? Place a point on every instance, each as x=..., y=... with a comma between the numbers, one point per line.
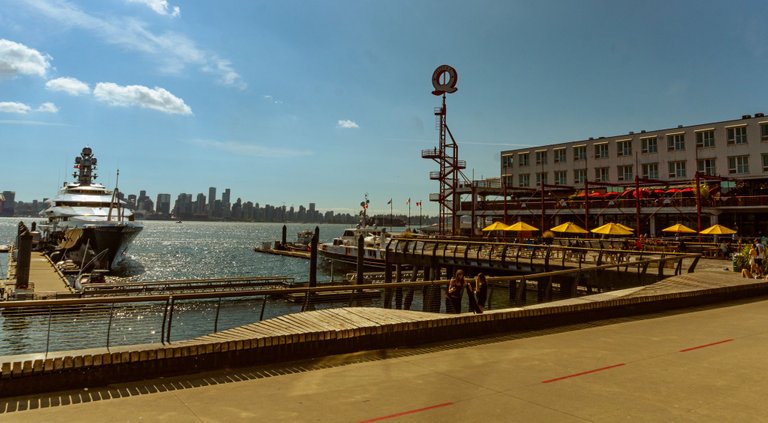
x=24, y=257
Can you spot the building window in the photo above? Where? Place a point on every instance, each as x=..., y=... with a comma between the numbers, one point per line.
x=561, y=177
x=580, y=152
x=738, y=164
x=508, y=161
x=559, y=155
x=541, y=157
x=649, y=145
x=677, y=169
x=706, y=166
x=705, y=139
x=737, y=135
x=579, y=176
x=625, y=173
x=765, y=162
x=601, y=151
x=509, y=180
x=523, y=159
x=541, y=178
x=764, y=131
x=675, y=142
x=651, y=171
x=523, y=180
x=624, y=148
x=601, y=174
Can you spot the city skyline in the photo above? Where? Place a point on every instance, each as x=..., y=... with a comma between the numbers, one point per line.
x=331, y=101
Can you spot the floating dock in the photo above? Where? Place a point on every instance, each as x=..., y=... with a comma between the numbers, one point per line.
x=287, y=253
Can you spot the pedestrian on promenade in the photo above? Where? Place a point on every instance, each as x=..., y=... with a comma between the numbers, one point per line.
x=454, y=293
x=753, y=259
x=477, y=290
x=760, y=257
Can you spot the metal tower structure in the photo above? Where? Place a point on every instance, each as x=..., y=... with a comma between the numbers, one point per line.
x=447, y=156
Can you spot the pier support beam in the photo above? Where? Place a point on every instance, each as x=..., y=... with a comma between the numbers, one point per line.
x=309, y=303
x=23, y=259
x=285, y=236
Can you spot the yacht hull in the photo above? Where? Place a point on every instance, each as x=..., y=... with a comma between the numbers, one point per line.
x=114, y=238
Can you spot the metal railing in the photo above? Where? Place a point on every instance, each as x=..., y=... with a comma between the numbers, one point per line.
x=80, y=323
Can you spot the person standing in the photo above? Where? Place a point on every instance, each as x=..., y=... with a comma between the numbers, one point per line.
x=454, y=293
x=760, y=258
x=753, y=259
x=479, y=291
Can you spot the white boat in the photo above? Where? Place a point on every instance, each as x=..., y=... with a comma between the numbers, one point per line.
x=342, y=251
x=86, y=219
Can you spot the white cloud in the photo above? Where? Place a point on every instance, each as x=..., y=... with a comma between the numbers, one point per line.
x=253, y=150
x=139, y=95
x=227, y=75
x=31, y=123
x=69, y=85
x=272, y=99
x=160, y=7
x=174, y=51
x=48, y=107
x=347, y=124
x=13, y=107
x=18, y=59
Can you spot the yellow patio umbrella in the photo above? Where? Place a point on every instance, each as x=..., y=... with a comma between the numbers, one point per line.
x=625, y=227
x=495, y=226
x=679, y=228
x=717, y=230
x=521, y=227
x=612, y=229
x=569, y=228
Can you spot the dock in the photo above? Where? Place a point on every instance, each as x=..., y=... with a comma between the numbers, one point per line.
x=45, y=280
x=286, y=253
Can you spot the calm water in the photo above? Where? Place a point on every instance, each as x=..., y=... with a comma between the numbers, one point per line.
x=170, y=250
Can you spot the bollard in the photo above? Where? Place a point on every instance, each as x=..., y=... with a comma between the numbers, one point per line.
x=23, y=260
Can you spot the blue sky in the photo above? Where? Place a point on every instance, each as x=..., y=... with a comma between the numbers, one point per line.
x=290, y=102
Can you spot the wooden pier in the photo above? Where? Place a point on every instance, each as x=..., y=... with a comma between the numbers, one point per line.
x=45, y=280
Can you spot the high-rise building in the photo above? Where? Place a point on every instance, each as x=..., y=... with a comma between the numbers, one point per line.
x=8, y=204
x=200, y=204
x=211, y=200
x=163, y=205
x=225, y=204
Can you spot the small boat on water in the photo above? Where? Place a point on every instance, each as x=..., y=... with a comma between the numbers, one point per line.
x=86, y=220
x=342, y=251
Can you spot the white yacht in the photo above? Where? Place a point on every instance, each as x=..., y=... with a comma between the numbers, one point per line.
x=86, y=218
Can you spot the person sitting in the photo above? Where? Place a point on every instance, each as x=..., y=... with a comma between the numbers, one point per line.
x=745, y=273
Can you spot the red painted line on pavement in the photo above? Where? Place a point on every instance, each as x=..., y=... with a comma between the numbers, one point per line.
x=583, y=373
x=418, y=410
x=706, y=345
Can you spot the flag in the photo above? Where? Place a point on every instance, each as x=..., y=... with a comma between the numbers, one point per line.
x=390, y=201
x=418, y=204
x=408, y=201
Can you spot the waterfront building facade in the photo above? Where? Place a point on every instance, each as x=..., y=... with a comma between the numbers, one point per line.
x=550, y=184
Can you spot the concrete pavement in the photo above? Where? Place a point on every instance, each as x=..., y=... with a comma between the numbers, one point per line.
x=701, y=365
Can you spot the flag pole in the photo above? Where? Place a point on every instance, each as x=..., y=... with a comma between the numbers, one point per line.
x=420, y=223
x=409, y=213
x=391, y=222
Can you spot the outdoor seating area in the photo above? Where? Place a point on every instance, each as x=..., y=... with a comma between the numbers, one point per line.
x=616, y=236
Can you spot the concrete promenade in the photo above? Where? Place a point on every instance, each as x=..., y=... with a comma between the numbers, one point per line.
x=701, y=364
